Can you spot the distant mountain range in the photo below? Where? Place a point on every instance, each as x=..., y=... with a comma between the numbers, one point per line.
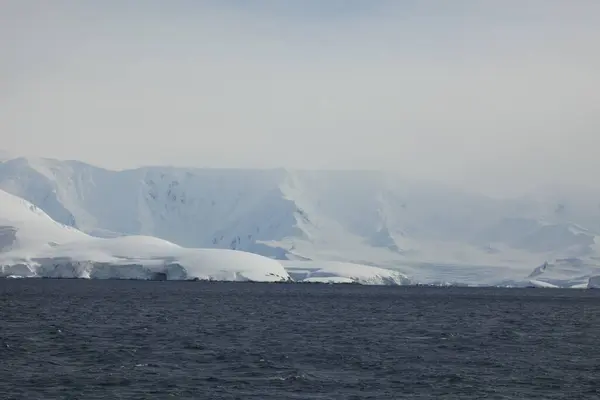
x=365, y=217
x=33, y=245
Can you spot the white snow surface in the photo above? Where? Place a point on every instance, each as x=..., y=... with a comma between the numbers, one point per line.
x=328, y=279
x=427, y=231
x=568, y=273
x=343, y=272
x=25, y=226
x=541, y=284
x=33, y=245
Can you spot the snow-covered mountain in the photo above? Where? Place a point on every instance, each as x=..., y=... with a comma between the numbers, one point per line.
x=24, y=226
x=363, y=217
x=33, y=245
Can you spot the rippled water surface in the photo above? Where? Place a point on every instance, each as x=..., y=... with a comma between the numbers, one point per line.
x=77, y=339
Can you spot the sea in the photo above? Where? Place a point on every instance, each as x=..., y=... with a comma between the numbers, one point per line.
x=111, y=339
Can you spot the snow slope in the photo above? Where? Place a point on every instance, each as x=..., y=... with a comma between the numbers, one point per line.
x=567, y=272
x=140, y=257
x=24, y=226
x=341, y=272
x=35, y=245
x=428, y=231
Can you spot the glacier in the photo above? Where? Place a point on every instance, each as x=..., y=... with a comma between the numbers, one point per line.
x=344, y=272
x=568, y=272
x=34, y=245
x=428, y=232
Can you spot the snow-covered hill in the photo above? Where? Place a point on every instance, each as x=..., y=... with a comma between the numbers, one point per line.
x=32, y=244
x=342, y=272
x=372, y=218
x=24, y=226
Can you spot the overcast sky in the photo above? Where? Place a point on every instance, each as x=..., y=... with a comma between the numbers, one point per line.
x=492, y=94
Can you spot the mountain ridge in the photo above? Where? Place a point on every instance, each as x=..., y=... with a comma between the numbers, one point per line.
x=368, y=217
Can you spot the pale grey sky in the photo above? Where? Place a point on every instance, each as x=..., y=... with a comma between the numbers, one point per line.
x=492, y=94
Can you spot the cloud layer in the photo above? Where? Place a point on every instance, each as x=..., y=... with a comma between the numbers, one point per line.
x=470, y=92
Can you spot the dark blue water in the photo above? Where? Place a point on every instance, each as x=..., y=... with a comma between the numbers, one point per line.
x=77, y=339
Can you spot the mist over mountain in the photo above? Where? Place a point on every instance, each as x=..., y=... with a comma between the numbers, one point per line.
x=368, y=217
